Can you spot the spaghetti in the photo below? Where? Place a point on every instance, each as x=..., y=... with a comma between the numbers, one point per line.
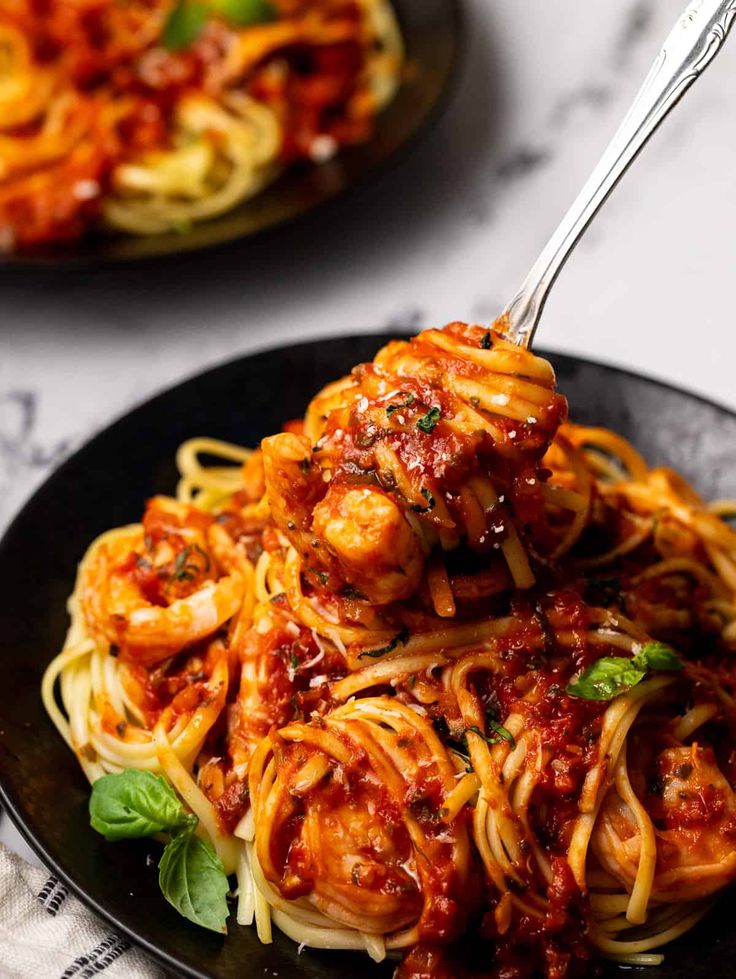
x=432, y=661
x=150, y=115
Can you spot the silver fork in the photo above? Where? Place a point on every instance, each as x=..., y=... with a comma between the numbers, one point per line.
x=692, y=44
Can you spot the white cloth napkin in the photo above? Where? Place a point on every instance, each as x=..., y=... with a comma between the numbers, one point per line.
x=46, y=933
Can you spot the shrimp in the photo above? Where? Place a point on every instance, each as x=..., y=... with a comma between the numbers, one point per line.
x=353, y=531
x=294, y=486
x=693, y=808
x=152, y=590
x=378, y=551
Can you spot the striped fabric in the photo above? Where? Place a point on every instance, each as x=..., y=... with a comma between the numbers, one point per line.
x=46, y=933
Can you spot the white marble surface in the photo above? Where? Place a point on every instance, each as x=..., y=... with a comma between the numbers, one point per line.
x=448, y=236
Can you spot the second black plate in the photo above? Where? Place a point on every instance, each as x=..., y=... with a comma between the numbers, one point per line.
x=432, y=36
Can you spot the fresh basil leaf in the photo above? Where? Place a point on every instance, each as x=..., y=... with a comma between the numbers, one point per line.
x=135, y=803
x=242, y=13
x=402, y=638
x=193, y=880
x=657, y=656
x=184, y=24
x=427, y=422
x=612, y=675
x=606, y=678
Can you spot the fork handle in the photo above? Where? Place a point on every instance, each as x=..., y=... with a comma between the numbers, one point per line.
x=690, y=47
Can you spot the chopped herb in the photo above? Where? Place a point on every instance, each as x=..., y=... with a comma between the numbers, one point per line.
x=427, y=422
x=412, y=681
x=424, y=810
x=392, y=408
x=499, y=729
x=475, y=401
x=401, y=639
x=502, y=732
x=463, y=754
x=430, y=503
x=460, y=748
x=612, y=675
x=186, y=569
x=353, y=594
x=486, y=341
x=323, y=577
x=277, y=598
x=305, y=465
x=294, y=661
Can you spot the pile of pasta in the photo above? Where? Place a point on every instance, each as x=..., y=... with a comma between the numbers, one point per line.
x=150, y=115
x=431, y=662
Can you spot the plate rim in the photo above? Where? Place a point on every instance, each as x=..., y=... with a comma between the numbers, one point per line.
x=23, y=263
x=8, y=800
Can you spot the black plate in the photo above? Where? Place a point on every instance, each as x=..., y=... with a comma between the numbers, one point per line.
x=432, y=35
x=105, y=484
